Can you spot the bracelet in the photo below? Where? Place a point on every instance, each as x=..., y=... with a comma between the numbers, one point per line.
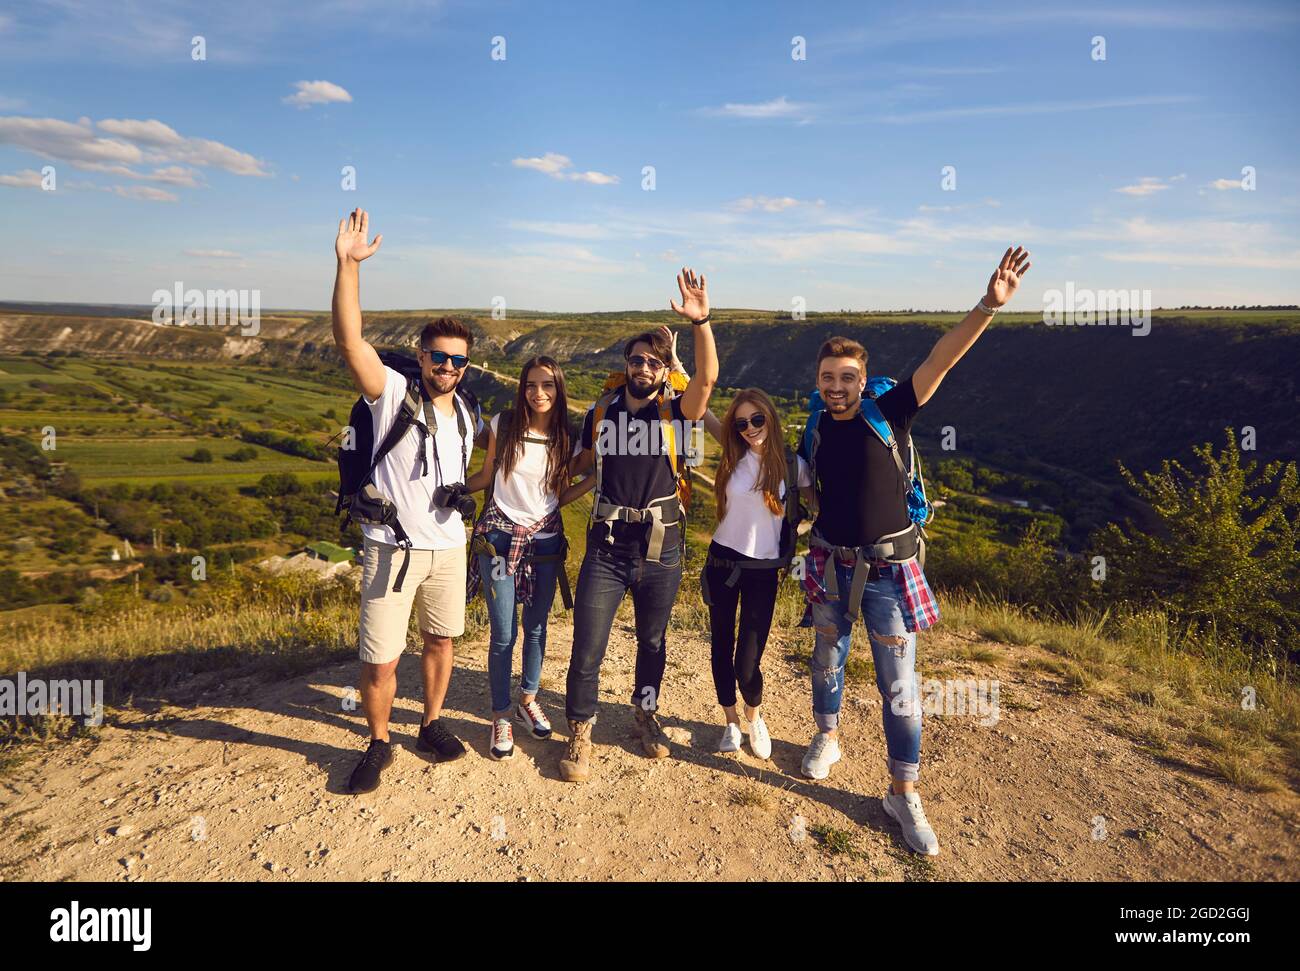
x=702, y=320
x=988, y=310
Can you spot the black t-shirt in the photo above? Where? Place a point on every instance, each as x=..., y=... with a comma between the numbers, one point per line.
x=860, y=492
x=636, y=480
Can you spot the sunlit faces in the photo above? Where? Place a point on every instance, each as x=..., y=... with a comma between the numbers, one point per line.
x=445, y=376
x=539, y=390
x=751, y=425
x=645, y=372
x=841, y=381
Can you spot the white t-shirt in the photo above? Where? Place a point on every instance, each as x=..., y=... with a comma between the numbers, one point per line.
x=748, y=526
x=525, y=497
x=398, y=476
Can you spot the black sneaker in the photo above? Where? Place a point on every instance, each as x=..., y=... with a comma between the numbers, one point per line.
x=365, y=777
x=435, y=738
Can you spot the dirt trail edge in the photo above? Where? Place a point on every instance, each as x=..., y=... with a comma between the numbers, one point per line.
x=244, y=780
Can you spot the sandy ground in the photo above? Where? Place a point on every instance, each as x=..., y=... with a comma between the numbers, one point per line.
x=244, y=780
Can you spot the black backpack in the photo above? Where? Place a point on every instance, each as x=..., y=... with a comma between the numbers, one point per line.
x=359, y=501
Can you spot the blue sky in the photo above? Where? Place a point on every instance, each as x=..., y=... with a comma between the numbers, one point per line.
x=521, y=178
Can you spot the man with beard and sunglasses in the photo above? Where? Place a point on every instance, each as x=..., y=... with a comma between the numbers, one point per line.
x=635, y=438
x=423, y=475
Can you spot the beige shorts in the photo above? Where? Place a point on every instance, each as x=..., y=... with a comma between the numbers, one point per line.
x=435, y=582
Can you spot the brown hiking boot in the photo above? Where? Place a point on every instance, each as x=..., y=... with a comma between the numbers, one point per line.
x=576, y=765
x=653, y=740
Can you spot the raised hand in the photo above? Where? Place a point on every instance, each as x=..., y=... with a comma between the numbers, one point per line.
x=351, y=243
x=695, y=296
x=671, y=338
x=1006, y=278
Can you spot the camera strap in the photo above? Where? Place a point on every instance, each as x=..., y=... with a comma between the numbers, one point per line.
x=431, y=420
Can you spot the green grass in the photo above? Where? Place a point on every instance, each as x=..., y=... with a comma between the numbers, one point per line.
x=105, y=461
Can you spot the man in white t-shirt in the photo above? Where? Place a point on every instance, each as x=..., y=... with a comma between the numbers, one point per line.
x=423, y=475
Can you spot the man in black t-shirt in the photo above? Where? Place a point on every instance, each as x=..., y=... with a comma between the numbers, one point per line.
x=636, y=537
x=863, y=528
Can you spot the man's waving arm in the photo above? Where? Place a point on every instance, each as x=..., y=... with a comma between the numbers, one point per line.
x=952, y=346
x=351, y=248
x=695, y=306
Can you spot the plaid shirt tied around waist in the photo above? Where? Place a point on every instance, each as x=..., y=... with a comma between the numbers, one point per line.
x=920, y=608
x=521, y=549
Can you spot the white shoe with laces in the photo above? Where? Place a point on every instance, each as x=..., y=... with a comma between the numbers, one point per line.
x=730, y=741
x=533, y=718
x=906, y=809
x=760, y=742
x=503, y=739
x=823, y=752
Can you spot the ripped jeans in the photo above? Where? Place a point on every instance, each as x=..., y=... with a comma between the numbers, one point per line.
x=893, y=650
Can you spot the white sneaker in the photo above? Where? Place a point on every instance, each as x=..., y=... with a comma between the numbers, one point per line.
x=503, y=739
x=533, y=718
x=823, y=752
x=760, y=742
x=906, y=809
x=730, y=741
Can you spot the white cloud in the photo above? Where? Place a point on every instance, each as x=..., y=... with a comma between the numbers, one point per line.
x=24, y=179
x=780, y=107
x=1147, y=185
x=65, y=141
x=214, y=254
x=769, y=203
x=567, y=230
x=146, y=192
x=1224, y=185
x=135, y=142
x=1032, y=108
x=316, y=93
x=557, y=167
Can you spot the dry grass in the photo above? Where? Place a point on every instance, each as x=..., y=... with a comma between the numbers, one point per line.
x=1246, y=723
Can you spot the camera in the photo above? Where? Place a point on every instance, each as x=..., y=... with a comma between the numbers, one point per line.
x=454, y=496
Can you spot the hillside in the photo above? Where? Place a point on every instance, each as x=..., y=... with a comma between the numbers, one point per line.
x=1050, y=401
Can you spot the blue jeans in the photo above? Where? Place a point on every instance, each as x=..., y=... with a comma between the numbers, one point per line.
x=893, y=649
x=504, y=617
x=603, y=580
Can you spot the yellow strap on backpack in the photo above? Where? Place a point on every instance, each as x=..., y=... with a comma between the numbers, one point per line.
x=678, y=382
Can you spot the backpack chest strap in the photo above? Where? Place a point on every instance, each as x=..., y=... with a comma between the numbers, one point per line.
x=609, y=513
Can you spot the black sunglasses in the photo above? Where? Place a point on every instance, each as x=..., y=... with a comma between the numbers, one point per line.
x=640, y=360
x=758, y=421
x=458, y=361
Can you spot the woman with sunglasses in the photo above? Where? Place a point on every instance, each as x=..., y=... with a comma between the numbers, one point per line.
x=518, y=545
x=747, y=554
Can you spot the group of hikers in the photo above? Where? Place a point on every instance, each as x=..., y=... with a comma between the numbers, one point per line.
x=853, y=472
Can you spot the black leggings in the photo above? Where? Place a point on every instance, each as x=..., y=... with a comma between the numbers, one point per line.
x=736, y=659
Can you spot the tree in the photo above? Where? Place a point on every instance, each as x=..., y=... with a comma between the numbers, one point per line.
x=1223, y=559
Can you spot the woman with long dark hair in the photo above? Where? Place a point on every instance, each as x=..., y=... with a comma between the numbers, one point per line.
x=517, y=549
x=753, y=541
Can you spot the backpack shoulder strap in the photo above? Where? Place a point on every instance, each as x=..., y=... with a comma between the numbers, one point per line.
x=504, y=421
x=876, y=420
x=792, y=486
x=402, y=422
x=598, y=410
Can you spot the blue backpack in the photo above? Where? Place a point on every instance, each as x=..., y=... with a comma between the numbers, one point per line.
x=919, y=508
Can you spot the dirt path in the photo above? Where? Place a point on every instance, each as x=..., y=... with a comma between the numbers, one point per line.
x=257, y=771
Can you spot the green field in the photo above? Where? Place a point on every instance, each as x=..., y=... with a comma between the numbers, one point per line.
x=134, y=422
x=106, y=460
